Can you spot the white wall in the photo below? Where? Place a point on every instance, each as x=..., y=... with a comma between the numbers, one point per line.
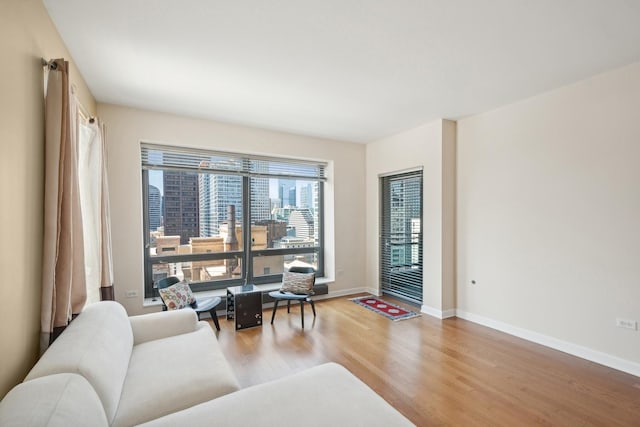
x=127, y=127
x=549, y=217
x=432, y=147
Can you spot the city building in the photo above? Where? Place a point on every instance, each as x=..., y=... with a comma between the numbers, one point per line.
x=276, y=230
x=282, y=214
x=211, y=269
x=301, y=220
x=306, y=197
x=262, y=265
x=285, y=194
x=275, y=204
x=155, y=206
x=181, y=205
x=260, y=201
x=292, y=196
x=217, y=193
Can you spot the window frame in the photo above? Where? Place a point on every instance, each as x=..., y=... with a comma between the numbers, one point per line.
x=246, y=254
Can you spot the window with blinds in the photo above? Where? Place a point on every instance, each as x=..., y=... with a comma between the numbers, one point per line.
x=196, y=160
x=217, y=218
x=401, y=235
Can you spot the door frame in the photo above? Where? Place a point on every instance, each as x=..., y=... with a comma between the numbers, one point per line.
x=381, y=237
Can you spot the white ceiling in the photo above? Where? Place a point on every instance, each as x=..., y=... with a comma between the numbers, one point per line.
x=354, y=70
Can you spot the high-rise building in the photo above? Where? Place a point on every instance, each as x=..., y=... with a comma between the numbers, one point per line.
x=316, y=207
x=284, y=192
x=302, y=221
x=181, y=217
x=217, y=193
x=260, y=202
x=155, y=206
x=292, y=196
x=405, y=224
x=306, y=196
x=204, y=204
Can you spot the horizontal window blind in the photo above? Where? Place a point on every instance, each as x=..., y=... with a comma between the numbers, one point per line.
x=196, y=160
x=401, y=236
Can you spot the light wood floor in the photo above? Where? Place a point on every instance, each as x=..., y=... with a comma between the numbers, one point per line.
x=451, y=372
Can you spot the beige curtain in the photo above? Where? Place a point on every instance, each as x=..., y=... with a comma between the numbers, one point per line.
x=63, y=274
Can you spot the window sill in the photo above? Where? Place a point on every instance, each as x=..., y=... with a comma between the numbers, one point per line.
x=222, y=293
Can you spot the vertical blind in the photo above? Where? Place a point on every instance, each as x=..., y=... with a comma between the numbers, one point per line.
x=401, y=236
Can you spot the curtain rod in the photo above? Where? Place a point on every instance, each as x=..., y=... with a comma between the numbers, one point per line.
x=51, y=64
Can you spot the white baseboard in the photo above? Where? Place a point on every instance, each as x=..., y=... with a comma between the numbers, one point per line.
x=352, y=291
x=440, y=314
x=449, y=313
x=605, y=359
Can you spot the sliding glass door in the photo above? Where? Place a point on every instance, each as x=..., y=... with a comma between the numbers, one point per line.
x=401, y=236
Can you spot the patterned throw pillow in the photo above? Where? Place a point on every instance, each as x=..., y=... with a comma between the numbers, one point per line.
x=297, y=283
x=177, y=296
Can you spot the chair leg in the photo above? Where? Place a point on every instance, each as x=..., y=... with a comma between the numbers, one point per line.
x=302, y=312
x=288, y=306
x=313, y=306
x=214, y=317
x=275, y=307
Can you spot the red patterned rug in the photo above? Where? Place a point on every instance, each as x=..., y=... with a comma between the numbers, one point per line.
x=391, y=311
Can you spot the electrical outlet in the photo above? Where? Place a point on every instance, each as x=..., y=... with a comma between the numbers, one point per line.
x=132, y=294
x=626, y=323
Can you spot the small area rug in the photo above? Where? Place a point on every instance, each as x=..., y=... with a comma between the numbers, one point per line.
x=387, y=309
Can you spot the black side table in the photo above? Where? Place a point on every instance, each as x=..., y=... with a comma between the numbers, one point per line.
x=244, y=304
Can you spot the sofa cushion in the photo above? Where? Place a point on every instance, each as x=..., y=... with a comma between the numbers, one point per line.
x=327, y=395
x=59, y=400
x=172, y=374
x=96, y=345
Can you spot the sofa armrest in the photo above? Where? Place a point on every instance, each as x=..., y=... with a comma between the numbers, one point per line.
x=164, y=324
x=58, y=400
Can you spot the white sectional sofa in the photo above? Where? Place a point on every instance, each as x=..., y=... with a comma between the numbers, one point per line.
x=166, y=369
